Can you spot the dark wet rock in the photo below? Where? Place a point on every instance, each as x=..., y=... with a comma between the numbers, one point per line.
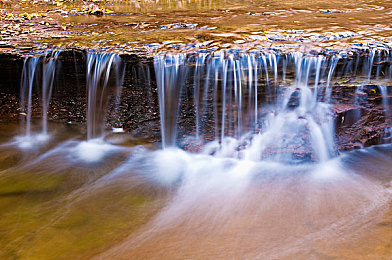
x=294, y=100
x=346, y=114
x=366, y=127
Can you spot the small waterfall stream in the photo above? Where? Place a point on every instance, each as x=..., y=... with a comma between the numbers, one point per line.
x=26, y=89
x=48, y=74
x=99, y=68
x=37, y=71
x=245, y=153
x=255, y=105
x=170, y=73
x=239, y=101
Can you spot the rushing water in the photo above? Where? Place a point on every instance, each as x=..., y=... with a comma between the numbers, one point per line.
x=265, y=181
x=48, y=74
x=99, y=67
x=39, y=72
x=245, y=102
x=27, y=81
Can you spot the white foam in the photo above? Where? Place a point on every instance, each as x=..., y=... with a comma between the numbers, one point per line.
x=31, y=141
x=329, y=170
x=171, y=164
x=92, y=151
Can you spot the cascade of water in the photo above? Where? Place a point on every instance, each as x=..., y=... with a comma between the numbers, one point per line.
x=200, y=60
x=249, y=117
x=238, y=95
x=368, y=69
x=48, y=73
x=274, y=64
x=249, y=66
x=170, y=71
x=356, y=64
x=205, y=104
x=265, y=65
x=255, y=66
x=385, y=102
x=37, y=71
x=319, y=62
x=300, y=113
x=334, y=62
x=99, y=68
x=120, y=75
x=225, y=64
x=26, y=89
x=296, y=122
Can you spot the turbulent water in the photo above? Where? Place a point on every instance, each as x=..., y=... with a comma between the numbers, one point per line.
x=253, y=110
x=265, y=179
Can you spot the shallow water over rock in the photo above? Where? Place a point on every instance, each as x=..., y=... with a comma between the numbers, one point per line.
x=147, y=26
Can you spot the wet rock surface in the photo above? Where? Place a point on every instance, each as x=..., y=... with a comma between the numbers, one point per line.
x=362, y=127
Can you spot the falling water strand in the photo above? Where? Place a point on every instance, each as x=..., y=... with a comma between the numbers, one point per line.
x=334, y=61
x=99, y=67
x=48, y=74
x=26, y=87
x=372, y=54
x=320, y=61
x=224, y=95
x=170, y=74
x=196, y=92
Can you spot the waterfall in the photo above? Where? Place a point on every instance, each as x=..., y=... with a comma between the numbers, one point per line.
x=295, y=123
x=385, y=100
x=99, y=69
x=255, y=105
x=334, y=61
x=385, y=103
x=26, y=90
x=170, y=71
x=38, y=71
x=48, y=74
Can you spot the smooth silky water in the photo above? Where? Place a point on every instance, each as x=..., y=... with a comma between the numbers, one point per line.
x=266, y=183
